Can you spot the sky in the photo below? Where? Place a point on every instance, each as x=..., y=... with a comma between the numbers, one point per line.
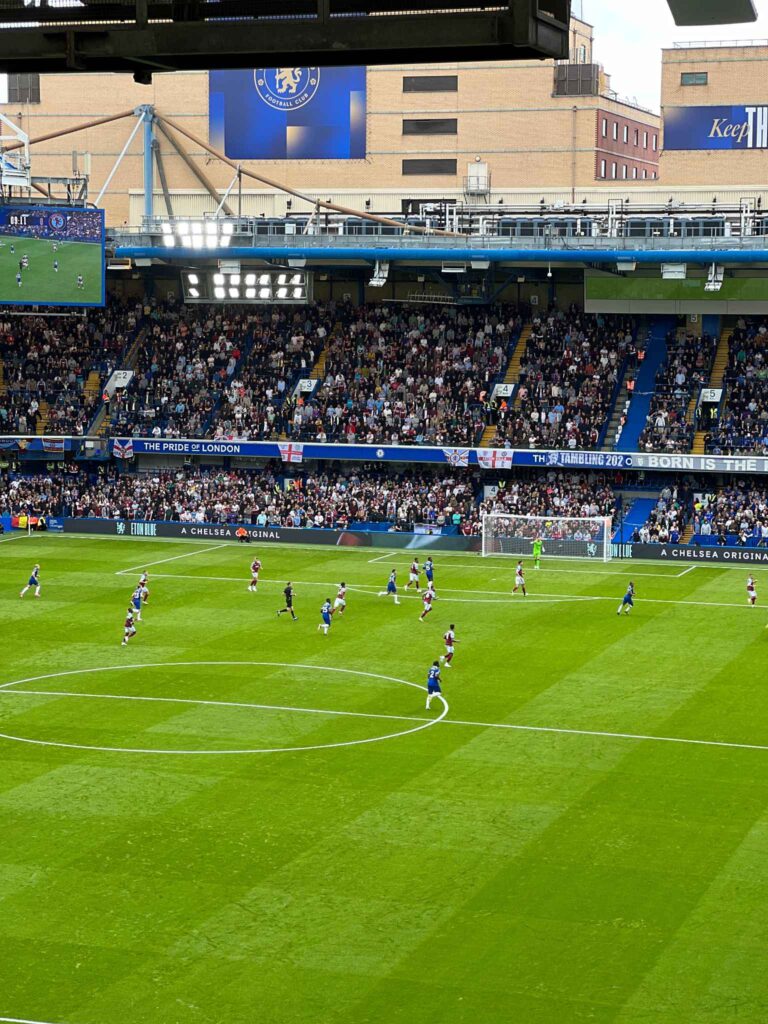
x=629, y=36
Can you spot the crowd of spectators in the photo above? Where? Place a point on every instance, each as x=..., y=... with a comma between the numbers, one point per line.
x=666, y=523
x=743, y=427
x=686, y=368
x=568, y=374
x=46, y=362
x=271, y=496
x=395, y=375
x=187, y=358
x=734, y=515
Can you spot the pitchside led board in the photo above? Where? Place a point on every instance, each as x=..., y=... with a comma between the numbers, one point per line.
x=51, y=256
x=742, y=127
x=288, y=113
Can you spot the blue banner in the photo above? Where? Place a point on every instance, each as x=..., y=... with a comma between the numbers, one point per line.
x=739, y=127
x=289, y=113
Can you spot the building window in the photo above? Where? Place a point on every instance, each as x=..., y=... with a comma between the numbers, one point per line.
x=602, y=168
x=21, y=89
x=637, y=136
x=626, y=133
x=605, y=127
x=430, y=126
x=613, y=169
x=624, y=171
x=645, y=140
x=429, y=166
x=634, y=173
x=655, y=142
x=582, y=55
x=654, y=175
x=616, y=131
x=645, y=173
x=431, y=83
x=694, y=78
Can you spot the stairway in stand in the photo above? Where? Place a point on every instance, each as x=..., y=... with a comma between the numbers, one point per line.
x=716, y=380
x=318, y=370
x=618, y=412
x=687, y=534
x=511, y=376
x=44, y=414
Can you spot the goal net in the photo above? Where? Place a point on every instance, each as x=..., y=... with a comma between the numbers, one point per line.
x=560, y=536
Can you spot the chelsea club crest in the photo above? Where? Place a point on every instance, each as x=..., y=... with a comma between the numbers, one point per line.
x=286, y=88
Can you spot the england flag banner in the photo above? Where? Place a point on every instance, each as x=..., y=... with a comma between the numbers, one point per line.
x=123, y=449
x=495, y=458
x=290, y=452
x=456, y=456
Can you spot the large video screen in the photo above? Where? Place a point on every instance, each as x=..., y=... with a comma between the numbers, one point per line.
x=51, y=256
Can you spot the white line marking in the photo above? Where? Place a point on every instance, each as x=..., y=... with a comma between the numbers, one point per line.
x=380, y=558
x=23, y=1020
x=15, y=536
x=423, y=723
x=173, y=558
x=685, y=571
x=371, y=590
x=363, y=714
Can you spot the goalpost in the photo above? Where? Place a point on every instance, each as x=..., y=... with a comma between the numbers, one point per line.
x=561, y=536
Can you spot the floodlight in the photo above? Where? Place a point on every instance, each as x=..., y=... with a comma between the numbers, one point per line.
x=282, y=279
x=250, y=279
x=234, y=293
x=297, y=279
x=218, y=279
x=211, y=228
x=265, y=293
x=166, y=228
x=194, y=293
x=220, y=293
x=264, y=279
x=234, y=279
x=197, y=241
x=250, y=293
x=282, y=293
x=227, y=229
x=197, y=229
x=193, y=279
x=298, y=293
x=169, y=241
x=187, y=241
x=183, y=228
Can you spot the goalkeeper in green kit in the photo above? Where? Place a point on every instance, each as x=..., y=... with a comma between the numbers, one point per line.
x=538, y=547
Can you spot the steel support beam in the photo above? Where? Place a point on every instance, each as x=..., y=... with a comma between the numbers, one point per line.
x=149, y=176
x=499, y=34
x=203, y=178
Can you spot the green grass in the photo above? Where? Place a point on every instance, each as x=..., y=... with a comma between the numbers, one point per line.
x=462, y=873
x=39, y=282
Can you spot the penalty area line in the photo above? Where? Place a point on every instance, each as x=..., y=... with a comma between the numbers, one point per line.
x=173, y=558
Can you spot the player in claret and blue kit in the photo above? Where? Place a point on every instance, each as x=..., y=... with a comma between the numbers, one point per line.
x=433, y=682
x=628, y=601
x=391, y=587
x=34, y=582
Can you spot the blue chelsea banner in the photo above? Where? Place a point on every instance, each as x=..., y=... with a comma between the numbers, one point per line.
x=740, y=127
x=288, y=113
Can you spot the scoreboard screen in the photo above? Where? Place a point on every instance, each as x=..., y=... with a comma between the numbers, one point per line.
x=51, y=256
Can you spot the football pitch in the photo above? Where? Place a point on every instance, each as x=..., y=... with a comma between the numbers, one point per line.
x=40, y=283
x=236, y=819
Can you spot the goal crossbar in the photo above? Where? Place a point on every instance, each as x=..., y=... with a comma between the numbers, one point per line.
x=514, y=536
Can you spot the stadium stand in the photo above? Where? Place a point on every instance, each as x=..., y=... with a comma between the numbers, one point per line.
x=348, y=497
x=743, y=425
x=669, y=426
x=568, y=382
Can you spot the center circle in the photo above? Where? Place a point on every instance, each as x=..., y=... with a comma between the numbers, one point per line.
x=6, y=689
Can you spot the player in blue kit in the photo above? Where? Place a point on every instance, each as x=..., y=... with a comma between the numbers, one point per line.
x=429, y=570
x=136, y=597
x=34, y=582
x=628, y=601
x=391, y=587
x=325, y=615
x=433, y=682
